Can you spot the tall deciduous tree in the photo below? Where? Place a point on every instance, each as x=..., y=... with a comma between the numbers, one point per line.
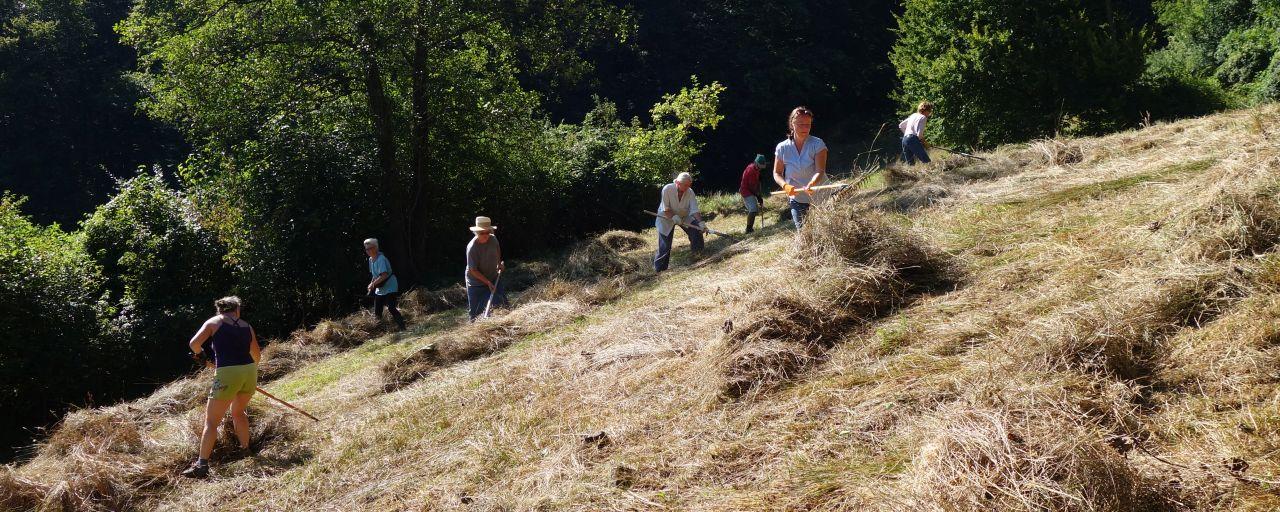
x=1005, y=70
x=419, y=83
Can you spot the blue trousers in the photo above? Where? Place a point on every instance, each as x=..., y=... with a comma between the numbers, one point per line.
x=798, y=212
x=912, y=149
x=662, y=259
x=478, y=297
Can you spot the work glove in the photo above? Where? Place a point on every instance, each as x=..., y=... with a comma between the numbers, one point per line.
x=200, y=359
x=790, y=190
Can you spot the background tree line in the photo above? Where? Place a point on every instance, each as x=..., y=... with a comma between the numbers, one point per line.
x=194, y=148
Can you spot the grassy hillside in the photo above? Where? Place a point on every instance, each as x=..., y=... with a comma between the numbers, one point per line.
x=1084, y=324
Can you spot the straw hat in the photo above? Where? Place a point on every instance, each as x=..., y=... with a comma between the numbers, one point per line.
x=483, y=224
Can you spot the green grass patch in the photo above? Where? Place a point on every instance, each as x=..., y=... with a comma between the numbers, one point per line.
x=1100, y=190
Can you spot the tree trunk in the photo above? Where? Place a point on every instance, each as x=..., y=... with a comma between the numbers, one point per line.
x=398, y=246
x=420, y=133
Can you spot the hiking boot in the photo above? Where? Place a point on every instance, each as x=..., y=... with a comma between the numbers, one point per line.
x=198, y=469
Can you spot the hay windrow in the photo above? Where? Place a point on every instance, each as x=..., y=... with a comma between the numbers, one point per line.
x=975, y=458
x=481, y=338
x=849, y=266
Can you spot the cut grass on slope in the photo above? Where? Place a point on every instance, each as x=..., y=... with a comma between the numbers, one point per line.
x=1113, y=347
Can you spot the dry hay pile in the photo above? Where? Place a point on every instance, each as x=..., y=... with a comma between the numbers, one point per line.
x=116, y=457
x=1010, y=458
x=418, y=302
x=602, y=257
x=481, y=338
x=849, y=266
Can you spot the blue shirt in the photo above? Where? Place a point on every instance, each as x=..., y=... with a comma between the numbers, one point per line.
x=378, y=266
x=800, y=165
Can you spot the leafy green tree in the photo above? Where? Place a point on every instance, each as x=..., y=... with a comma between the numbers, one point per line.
x=1233, y=43
x=163, y=270
x=1004, y=71
x=50, y=338
x=428, y=87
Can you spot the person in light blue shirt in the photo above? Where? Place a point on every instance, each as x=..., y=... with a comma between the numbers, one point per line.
x=799, y=163
x=383, y=286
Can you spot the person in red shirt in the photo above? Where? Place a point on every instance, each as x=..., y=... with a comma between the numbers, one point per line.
x=749, y=187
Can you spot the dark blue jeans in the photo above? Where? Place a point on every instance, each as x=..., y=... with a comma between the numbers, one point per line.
x=389, y=301
x=478, y=297
x=798, y=212
x=662, y=259
x=912, y=149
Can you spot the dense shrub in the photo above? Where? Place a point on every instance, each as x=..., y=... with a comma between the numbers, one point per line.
x=163, y=270
x=50, y=342
x=1229, y=43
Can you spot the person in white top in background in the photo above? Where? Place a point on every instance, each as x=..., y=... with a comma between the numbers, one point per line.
x=913, y=143
x=799, y=163
x=679, y=206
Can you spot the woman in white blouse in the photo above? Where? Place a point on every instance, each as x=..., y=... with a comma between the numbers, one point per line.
x=799, y=163
x=913, y=143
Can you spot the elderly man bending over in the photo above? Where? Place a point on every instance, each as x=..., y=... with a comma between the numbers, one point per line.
x=679, y=206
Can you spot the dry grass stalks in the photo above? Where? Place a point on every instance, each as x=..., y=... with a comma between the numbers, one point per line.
x=346, y=332
x=1054, y=152
x=283, y=357
x=863, y=237
x=17, y=493
x=1236, y=223
x=1123, y=333
x=849, y=266
x=478, y=339
x=1008, y=458
x=602, y=257
x=423, y=302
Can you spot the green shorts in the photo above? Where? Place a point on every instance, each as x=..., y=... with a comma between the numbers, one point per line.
x=230, y=381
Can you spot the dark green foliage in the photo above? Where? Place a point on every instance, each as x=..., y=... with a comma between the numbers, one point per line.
x=1232, y=43
x=1003, y=70
x=50, y=343
x=163, y=270
x=68, y=116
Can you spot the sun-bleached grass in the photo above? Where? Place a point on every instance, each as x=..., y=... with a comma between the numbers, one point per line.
x=1081, y=324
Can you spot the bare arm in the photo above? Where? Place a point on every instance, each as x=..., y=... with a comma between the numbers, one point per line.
x=480, y=277
x=255, y=350
x=779, y=168
x=820, y=162
x=206, y=331
x=378, y=280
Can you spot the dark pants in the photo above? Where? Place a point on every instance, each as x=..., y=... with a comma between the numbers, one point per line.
x=662, y=259
x=389, y=300
x=478, y=298
x=798, y=212
x=912, y=149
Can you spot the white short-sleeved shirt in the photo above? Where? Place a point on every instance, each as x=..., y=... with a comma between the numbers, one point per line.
x=683, y=206
x=913, y=125
x=800, y=165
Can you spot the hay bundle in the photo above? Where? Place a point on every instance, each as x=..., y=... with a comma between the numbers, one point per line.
x=1043, y=458
x=622, y=241
x=421, y=302
x=1123, y=333
x=791, y=328
x=17, y=493
x=595, y=259
x=398, y=373
x=1235, y=223
x=350, y=331
x=282, y=357
x=1056, y=152
x=865, y=237
x=178, y=396
x=479, y=339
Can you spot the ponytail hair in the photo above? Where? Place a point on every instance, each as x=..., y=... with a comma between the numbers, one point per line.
x=227, y=304
x=791, y=119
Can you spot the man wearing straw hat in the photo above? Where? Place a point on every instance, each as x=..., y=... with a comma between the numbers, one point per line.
x=749, y=187
x=679, y=206
x=484, y=266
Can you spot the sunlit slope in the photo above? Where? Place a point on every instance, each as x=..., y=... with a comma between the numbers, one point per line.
x=1086, y=324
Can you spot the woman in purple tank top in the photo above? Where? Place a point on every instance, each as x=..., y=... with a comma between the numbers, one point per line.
x=235, y=359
